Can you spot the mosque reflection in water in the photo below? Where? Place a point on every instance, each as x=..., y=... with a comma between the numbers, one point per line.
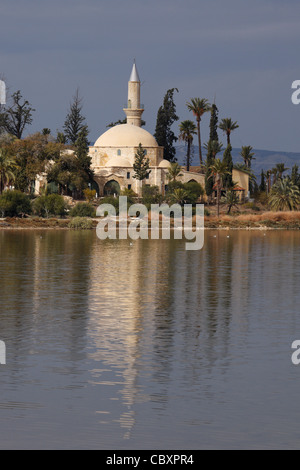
x=139, y=323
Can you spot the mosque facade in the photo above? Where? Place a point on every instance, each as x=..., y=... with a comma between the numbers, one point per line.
x=113, y=154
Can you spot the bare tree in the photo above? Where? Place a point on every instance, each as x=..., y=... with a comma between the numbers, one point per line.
x=17, y=117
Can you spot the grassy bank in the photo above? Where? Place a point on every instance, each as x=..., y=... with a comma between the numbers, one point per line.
x=271, y=220
x=264, y=220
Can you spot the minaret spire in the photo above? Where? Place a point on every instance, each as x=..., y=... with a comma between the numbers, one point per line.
x=134, y=77
x=134, y=108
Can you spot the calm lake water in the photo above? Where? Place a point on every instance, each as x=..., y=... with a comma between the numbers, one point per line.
x=149, y=346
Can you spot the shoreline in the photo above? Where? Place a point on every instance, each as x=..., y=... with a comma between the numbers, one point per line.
x=261, y=222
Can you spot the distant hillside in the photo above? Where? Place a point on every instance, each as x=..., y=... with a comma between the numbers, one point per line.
x=264, y=159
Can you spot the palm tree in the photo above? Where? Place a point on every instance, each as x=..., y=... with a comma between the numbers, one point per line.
x=214, y=146
x=274, y=172
x=218, y=169
x=187, y=131
x=231, y=199
x=199, y=107
x=247, y=155
x=268, y=178
x=227, y=126
x=174, y=171
x=7, y=168
x=280, y=167
x=284, y=195
x=179, y=196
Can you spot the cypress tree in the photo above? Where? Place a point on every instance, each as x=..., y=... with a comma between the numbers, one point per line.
x=166, y=116
x=213, y=135
x=227, y=159
x=262, y=186
x=213, y=125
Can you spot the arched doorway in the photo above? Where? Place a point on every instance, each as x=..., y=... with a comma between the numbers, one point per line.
x=111, y=187
x=95, y=187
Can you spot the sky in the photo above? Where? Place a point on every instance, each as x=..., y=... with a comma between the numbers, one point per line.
x=242, y=53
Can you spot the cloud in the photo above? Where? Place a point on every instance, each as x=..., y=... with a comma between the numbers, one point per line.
x=201, y=47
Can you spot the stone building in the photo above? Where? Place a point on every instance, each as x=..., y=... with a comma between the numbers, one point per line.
x=114, y=151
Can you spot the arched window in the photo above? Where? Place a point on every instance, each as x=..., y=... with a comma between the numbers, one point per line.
x=119, y=152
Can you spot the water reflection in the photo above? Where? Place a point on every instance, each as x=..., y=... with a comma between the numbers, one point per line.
x=144, y=339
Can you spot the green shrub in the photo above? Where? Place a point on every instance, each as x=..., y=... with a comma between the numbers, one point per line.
x=83, y=209
x=194, y=188
x=172, y=185
x=251, y=205
x=89, y=194
x=262, y=198
x=195, y=191
x=14, y=204
x=130, y=194
x=81, y=223
x=206, y=212
x=114, y=201
x=53, y=204
x=151, y=195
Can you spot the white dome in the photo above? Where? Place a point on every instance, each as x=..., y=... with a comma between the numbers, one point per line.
x=119, y=162
x=164, y=164
x=126, y=135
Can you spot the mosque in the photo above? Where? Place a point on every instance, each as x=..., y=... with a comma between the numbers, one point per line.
x=113, y=153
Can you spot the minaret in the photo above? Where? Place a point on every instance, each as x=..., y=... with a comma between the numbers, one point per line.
x=134, y=108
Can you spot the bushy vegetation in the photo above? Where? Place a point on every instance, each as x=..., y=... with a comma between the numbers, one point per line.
x=151, y=195
x=195, y=191
x=14, y=204
x=81, y=223
x=284, y=195
x=261, y=197
x=188, y=193
x=113, y=201
x=67, y=163
x=50, y=205
x=130, y=194
x=83, y=209
x=89, y=194
x=252, y=205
